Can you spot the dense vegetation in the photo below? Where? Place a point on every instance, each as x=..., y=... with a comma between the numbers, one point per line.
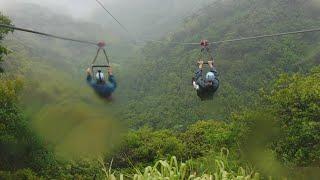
x=263, y=122
x=3, y=32
x=162, y=99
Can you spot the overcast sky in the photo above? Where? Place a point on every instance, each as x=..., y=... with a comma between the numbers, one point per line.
x=143, y=17
x=76, y=8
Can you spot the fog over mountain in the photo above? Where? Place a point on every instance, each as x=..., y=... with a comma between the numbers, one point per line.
x=75, y=8
x=143, y=18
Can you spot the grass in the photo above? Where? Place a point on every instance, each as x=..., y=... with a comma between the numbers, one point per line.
x=174, y=170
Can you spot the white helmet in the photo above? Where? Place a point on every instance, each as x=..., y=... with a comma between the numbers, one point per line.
x=100, y=76
x=210, y=76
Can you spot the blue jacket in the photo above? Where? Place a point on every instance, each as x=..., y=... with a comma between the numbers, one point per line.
x=103, y=89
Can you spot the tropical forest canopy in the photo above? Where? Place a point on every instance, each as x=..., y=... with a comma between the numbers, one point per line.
x=264, y=121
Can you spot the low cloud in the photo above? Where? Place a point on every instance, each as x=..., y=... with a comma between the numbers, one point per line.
x=75, y=8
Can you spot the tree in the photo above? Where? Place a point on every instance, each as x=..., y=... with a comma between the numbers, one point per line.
x=205, y=136
x=3, y=32
x=296, y=99
x=146, y=146
x=19, y=146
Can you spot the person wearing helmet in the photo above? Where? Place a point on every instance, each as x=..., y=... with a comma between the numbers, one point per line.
x=101, y=87
x=206, y=87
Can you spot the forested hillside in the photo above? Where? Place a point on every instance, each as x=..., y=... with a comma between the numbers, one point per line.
x=164, y=97
x=262, y=123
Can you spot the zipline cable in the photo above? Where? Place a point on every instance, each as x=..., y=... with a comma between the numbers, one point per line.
x=266, y=36
x=158, y=41
x=45, y=34
x=241, y=39
x=169, y=42
x=123, y=27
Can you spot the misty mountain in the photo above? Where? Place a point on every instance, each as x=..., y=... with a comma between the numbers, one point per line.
x=40, y=18
x=150, y=18
x=143, y=18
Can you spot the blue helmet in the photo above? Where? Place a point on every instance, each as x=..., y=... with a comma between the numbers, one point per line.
x=210, y=76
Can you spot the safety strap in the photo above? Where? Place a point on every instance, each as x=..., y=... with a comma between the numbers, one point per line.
x=205, y=50
x=105, y=54
x=93, y=66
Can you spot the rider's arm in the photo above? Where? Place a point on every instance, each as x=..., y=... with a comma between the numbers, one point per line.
x=89, y=77
x=200, y=64
x=199, y=71
x=212, y=66
x=111, y=78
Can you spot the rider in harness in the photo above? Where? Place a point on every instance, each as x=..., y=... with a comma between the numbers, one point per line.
x=101, y=87
x=206, y=87
x=98, y=83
